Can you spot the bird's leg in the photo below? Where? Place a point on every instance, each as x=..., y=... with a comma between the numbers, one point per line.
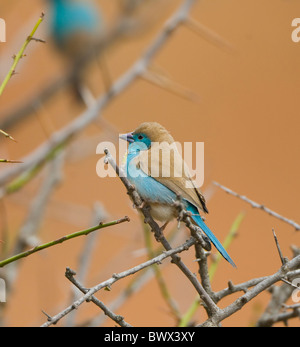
x=139, y=207
x=197, y=232
x=200, y=236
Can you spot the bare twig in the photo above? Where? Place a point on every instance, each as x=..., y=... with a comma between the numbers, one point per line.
x=259, y=206
x=283, y=317
x=208, y=34
x=280, y=294
x=139, y=280
x=117, y=277
x=239, y=303
x=207, y=273
x=174, y=309
x=137, y=70
x=161, y=80
x=283, y=260
x=86, y=255
x=215, y=314
x=272, y=313
x=64, y=135
x=117, y=318
x=209, y=303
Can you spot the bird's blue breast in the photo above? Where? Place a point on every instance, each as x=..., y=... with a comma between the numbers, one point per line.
x=159, y=197
x=149, y=189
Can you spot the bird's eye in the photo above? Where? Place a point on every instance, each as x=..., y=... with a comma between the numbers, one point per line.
x=140, y=137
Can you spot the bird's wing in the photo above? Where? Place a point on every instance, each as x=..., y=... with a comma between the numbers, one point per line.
x=166, y=165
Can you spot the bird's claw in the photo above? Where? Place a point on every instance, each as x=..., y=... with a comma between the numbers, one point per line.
x=139, y=207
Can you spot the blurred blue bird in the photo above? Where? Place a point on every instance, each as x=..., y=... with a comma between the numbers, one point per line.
x=74, y=20
x=76, y=27
x=161, y=192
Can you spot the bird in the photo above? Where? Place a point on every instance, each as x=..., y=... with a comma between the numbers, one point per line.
x=74, y=19
x=76, y=27
x=158, y=190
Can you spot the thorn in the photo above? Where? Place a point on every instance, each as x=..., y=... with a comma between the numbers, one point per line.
x=161, y=80
x=208, y=34
x=49, y=318
x=10, y=161
x=37, y=40
x=283, y=260
x=14, y=72
x=7, y=135
x=70, y=272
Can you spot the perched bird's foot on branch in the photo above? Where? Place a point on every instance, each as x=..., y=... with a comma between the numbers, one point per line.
x=139, y=207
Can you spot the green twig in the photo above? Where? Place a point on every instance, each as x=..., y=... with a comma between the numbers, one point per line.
x=7, y=135
x=20, y=55
x=61, y=240
x=11, y=72
x=10, y=161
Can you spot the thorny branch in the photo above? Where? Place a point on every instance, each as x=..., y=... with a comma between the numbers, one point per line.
x=63, y=136
x=116, y=277
x=70, y=275
x=209, y=298
x=259, y=206
x=288, y=271
x=20, y=54
x=209, y=303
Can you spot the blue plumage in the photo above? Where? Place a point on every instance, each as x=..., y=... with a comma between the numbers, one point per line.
x=161, y=192
x=198, y=220
x=154, y=193
x=77, y=29
x=148, y=188
x=71, y=18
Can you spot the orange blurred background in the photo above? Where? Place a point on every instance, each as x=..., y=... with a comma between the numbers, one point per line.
x=247, y=117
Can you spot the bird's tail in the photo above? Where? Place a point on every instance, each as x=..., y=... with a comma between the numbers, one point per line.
x=197, y=219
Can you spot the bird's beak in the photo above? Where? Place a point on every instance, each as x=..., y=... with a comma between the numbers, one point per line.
x=127, y=137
